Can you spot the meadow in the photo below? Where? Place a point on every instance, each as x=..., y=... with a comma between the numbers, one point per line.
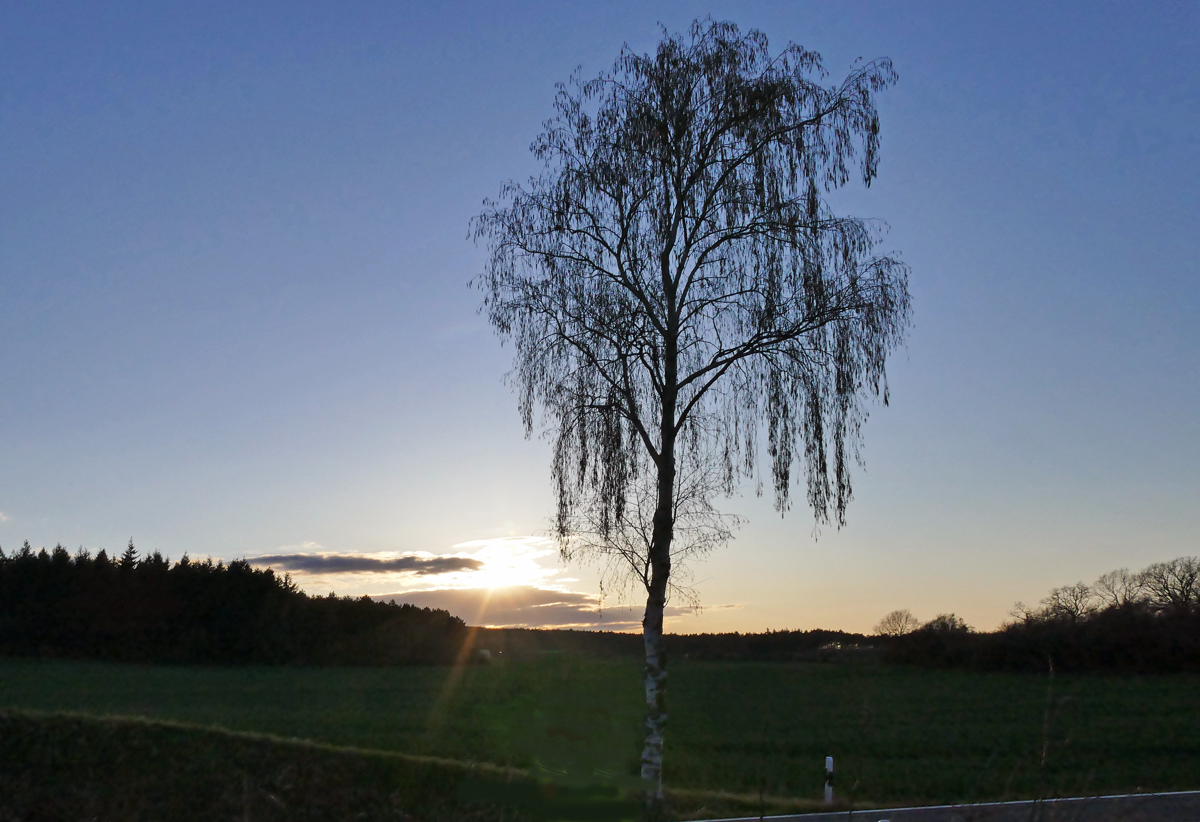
x=754, y=729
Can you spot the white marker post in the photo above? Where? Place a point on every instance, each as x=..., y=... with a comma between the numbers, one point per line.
x=829, y=780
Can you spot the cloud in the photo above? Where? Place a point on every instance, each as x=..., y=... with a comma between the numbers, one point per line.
x=3, y=517
x=491, y=563
x=529, y=607
x=367, y=564
x=522, y=607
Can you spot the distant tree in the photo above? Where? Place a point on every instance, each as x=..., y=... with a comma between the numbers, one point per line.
x=946, y=624
x=1120, y=588
x=129, y=558
x=1070, y=602
x=1022, y=613
x=897, y=623
x=674, y=281
x=1174, y=586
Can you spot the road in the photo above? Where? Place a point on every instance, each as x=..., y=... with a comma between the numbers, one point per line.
x=1181, y=806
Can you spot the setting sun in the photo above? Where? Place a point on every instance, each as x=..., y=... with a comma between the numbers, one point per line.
x=507, y=561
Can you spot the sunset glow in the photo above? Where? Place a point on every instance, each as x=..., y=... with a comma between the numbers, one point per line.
x=491, y=563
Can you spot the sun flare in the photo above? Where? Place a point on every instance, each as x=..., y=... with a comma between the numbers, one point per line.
x=506, y=562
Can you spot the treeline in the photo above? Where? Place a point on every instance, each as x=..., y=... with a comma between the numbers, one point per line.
x=145, y=609
x=771, y=646
x=1144, y=622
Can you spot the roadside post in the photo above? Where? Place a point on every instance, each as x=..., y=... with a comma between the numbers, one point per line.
x=829, y=780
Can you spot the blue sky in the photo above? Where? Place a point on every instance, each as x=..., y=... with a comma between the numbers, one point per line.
x=234, y=318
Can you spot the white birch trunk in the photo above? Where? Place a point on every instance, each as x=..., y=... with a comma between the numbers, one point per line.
x=656, y=715
x=652, y=637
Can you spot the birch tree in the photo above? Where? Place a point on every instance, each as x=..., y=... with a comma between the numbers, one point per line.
x=683, y=302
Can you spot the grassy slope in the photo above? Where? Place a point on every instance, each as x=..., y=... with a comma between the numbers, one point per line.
x=899, y=736
x=61, y=767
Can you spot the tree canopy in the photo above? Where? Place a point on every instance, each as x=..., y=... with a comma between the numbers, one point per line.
x=678, y=250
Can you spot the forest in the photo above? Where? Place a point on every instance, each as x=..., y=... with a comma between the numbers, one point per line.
x=145, y=609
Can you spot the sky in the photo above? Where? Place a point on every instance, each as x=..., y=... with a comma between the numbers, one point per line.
x=235, y=318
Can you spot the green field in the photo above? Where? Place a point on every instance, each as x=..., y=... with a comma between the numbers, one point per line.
x=898, y=736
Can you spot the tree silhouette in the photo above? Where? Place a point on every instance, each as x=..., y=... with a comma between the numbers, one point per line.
x=1174, y=585
x=674, y=280
x=1070, y=602
x=897, y=623
x=1120, y=588
x=130, y=557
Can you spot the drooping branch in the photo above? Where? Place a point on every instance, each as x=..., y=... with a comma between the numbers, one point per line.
x=676, y=256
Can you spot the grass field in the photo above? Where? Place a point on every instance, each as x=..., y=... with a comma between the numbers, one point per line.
x=898, y=736
x=57, y=767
